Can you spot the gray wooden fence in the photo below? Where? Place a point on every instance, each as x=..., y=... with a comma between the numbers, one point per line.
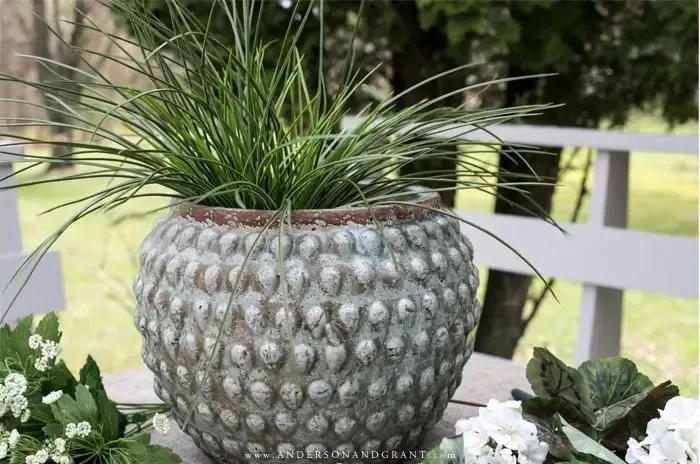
x=602, y=254
x=44, y=289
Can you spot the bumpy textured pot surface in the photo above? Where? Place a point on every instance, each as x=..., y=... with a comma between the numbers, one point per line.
x=339, y=353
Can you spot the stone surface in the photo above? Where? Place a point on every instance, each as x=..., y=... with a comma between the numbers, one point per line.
x=335, y=338
x=484, y=377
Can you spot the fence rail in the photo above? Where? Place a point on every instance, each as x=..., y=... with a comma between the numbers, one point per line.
x=602, y=254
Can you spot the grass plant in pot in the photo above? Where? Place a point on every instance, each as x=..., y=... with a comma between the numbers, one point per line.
x=298, y=295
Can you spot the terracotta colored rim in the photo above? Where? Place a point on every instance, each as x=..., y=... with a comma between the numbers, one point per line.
x=320, y=217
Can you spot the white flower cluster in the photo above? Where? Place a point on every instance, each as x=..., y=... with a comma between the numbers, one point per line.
x=7, y=441
x=49, y=350
x=161, y=423
x=500, y=435
x=56, y=449
x=12, y=397
x=81, y=429
x=672, y=438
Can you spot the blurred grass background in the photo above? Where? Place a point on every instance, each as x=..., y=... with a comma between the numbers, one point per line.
x=660, y=333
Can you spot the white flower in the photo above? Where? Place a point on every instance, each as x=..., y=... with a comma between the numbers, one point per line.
x=502, y=422
x=473, y=434
x=52, y=397
x=19, y=404
x=83, y=429
x=35, y=341
x=50, y=349
x=60, y=445
x=26, y=414
x=41, y=456
x=71, y=430
x=61, y=459
x=681, y=411
x=3, y=449
x=671, y=438
x=683, y=417
x=161, y=423
x=14, y=438
x=535, y=453
x=41, y=364
x=488, y=455
x=500, y=435
x=15, y=384
x=636, y=453
x=668, y=449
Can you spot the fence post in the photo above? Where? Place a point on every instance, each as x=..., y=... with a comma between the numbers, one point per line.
x=600, y=324
x=10, y=237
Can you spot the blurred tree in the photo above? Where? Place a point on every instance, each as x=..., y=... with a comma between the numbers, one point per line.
x=60, y=42
x=62, y=52
x=609, y=57
x=23, y=34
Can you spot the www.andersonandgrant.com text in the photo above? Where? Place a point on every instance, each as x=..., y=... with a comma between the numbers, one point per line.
x=341, y=456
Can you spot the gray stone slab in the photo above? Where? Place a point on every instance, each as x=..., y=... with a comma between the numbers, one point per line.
x=484, y=377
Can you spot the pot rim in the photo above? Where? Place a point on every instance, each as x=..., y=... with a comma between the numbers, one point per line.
x=421, y=201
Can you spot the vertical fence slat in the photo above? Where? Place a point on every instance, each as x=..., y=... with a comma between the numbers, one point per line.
x=10, y=236
x=600, y=324
x=44, y=289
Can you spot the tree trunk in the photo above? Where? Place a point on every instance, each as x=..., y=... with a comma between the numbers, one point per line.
x=423, y=57
x=47, y=71
x=501, y=324
x=60, y=135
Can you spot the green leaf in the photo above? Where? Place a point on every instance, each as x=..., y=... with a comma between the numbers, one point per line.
x=19, y=339
x=152, y=454
x=547, y=407
x=48, y=328
x=633, y=420
x=61, y=378
x=5, y=337
x=83, y=408
x=53, y=429
x=40, y=412
x=143, y=438
x=161, y=455
x=549, y=377
x=615, y=386
x=584, y=444
x=549, y=430
x=66, y=411
x=138, y=417
x=90, y=375
x=433, y=456
x=449, y=451
x=109, y=417
x=86, y=404
x=135, y=446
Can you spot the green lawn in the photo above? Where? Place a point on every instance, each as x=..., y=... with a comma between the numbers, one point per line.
x=660, y=333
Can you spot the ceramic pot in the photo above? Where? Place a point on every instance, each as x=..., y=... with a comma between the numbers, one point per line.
x=328, y=351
